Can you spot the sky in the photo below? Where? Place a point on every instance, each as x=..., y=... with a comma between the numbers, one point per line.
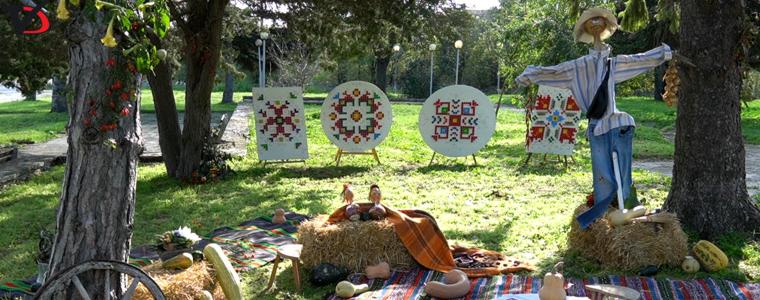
x=478, y=4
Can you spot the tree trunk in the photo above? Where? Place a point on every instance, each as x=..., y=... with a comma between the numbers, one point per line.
x=229, y=87
x=381, y=71
x=58, y=103
x=30, y=96
x=169, y=133
x=95, y=216
x=709, y=191
x=202, y=34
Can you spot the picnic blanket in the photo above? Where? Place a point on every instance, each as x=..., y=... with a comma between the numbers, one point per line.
x=409, y=285
x=419, y=233
x=249, y=245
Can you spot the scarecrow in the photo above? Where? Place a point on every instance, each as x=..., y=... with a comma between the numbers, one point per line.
x=592, y=80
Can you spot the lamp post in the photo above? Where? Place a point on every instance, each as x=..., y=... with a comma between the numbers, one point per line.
x=396, y=49
x=261, y=77
x=264, y=36
x=431, y=48
x=458, y=45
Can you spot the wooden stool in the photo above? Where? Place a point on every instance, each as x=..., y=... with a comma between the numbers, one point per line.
x=293, y=253
x=607, y=291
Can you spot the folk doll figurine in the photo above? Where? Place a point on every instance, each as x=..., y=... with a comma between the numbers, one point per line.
x=352, y=209
x=377, y=212
x=592, y=80
x=279, y=216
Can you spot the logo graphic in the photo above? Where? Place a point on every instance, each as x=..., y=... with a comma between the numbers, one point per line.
x=23, y=16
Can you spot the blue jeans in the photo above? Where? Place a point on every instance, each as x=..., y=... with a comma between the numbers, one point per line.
x=619, y=140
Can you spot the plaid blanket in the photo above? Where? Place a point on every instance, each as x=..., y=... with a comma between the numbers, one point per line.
x=409, y=285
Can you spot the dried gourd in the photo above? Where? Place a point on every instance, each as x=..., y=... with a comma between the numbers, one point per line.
x=672, y=84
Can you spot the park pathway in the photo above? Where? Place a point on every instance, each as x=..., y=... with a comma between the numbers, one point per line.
x=36, y=158
x=752, y=162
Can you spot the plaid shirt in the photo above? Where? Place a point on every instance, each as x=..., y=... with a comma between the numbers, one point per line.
x=584, y=75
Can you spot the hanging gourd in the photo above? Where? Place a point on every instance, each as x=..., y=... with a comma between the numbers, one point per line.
x=672, y=84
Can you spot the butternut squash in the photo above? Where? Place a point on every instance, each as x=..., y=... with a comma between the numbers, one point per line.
x=553, y=287
x=381, y=270
x=710, y=256
x=455, y=285
x=345, y=289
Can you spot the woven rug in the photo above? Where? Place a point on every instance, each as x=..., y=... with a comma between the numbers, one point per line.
x=408, y=285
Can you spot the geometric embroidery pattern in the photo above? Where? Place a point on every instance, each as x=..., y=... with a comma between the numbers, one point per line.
x=554, y=118
x=457, y=121
x=280, y=124
x=356, y=116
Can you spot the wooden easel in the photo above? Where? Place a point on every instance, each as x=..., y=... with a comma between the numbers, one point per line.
x=342, y=152
x=465, y=158
x=559, y=159
x=283, y=161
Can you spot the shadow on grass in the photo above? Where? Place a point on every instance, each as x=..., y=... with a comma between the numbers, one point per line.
x=277, y=172
x=489, y=239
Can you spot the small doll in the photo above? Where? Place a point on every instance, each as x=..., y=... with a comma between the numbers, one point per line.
x=352, y=209
x=279, y=216
x=377, y=212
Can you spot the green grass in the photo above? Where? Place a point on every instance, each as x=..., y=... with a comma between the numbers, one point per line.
x=32, y=121
x=522, y=212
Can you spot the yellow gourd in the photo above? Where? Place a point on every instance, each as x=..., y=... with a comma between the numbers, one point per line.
x=553, y=287
x=225, y=274
x=345, y=289
x=181, y=261
x=710, y=256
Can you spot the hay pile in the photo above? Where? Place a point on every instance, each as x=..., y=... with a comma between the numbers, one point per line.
x=181, y=284
x=632, y=246
x=352, y=245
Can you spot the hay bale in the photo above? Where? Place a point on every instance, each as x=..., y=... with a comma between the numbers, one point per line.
x=181, y=284
x=632, y=246
x=352, y=245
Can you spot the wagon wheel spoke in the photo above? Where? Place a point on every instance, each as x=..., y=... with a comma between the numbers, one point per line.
x=80, y=287
x=131, y=290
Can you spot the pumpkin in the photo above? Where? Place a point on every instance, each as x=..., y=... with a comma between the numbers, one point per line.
x=710, y=256
x=381, y=270
x=553, y=287
x=455, y=285
x=377, y=212
x=352, y=212
x=181, y=261
x=345, y=289
x=690, y=265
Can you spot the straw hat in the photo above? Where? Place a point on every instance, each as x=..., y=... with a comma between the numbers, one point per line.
x=580, y=33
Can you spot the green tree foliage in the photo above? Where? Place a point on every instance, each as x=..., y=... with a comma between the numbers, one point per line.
x=27, y=62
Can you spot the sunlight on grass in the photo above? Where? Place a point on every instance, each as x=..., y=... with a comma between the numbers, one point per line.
x=496, y=205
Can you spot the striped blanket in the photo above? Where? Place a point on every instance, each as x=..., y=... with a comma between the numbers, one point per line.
x=408, y=285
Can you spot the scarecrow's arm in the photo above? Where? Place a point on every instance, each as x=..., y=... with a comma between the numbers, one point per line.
x=628, y=66
x=560, y=76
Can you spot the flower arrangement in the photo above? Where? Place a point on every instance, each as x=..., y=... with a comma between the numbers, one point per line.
x=182, y=238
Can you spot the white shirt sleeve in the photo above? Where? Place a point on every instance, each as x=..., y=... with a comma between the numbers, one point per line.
x=560, y=76
x=629, y=66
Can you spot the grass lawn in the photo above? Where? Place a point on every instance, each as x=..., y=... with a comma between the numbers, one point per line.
x=496, y=205
x=32, y=121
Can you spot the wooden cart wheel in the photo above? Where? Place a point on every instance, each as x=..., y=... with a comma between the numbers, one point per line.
x=62, y=280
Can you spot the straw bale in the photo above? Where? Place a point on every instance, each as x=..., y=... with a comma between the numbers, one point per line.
x=630, y=247
x=181, y=284
x=352, y=245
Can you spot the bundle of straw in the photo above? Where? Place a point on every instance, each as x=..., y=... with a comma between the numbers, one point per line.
x=181, y=284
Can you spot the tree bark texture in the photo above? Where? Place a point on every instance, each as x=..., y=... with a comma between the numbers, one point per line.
x=659, y=82
x=169, y=133
x=709, y=191
x=202, y=34
x=59, y=94
x=229, y=87
x=381, y=71
x=95, y=215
